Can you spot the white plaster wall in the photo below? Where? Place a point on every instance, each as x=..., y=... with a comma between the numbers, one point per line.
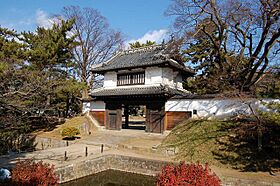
x=179, y=81
x=168, y=77
x=98, y=106
x=86, y=107
x=93, y=106
x=110, y=79
x=153, y=75
x=213, y=108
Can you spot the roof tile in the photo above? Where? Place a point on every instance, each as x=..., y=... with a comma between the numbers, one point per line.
x=151, y=90
x=142, y=57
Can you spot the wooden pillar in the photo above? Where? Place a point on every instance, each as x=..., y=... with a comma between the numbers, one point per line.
x=126, y=115
x=113, y=116
x=155, y=117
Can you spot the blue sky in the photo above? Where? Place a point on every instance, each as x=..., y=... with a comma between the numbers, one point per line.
x=136, y=19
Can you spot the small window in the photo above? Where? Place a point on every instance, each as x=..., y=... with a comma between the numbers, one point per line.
x=194, y=111
x=131, y=79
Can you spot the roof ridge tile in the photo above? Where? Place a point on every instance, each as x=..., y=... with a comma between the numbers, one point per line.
x=143, y=49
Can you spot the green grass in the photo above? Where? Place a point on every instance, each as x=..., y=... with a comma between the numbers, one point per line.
x=227, y=144
x=197, y=140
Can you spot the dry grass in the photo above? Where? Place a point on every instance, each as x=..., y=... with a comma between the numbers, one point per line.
x=197, y=140
x=227, y=144
x=73, y=122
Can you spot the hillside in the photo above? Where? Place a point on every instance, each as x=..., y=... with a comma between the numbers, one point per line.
x=227, y=144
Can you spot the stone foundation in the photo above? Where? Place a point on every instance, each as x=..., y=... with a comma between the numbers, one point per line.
x=42, y=143
x=134, y=165
x=115, y=162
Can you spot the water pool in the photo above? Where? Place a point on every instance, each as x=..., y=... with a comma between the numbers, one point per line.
x=114, y=178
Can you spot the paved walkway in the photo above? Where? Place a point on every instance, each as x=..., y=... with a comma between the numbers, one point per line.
x=127, y=142
x=125, y=138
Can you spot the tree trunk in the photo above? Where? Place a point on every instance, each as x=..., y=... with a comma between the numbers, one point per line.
x=85, y=93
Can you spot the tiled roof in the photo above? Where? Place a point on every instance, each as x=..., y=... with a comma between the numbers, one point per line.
x=195, y=96
x=132, y=91
x=229, y=95
x=142, y=57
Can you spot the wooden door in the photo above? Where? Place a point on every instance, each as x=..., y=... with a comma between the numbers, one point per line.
x=113, y=120
x=113, y=116
x=155, y=118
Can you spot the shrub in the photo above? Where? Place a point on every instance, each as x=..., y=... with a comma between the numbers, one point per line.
x=188, y=175
x=29, y=173
x=70, y=132
x=273, y=116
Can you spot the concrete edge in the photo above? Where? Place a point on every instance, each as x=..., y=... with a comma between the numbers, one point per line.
x=110, y=161
x=132, y=164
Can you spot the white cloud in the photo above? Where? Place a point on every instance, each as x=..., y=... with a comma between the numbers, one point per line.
x=44, y=20
x=155, y=35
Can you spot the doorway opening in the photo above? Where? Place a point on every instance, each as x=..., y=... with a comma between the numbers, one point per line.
x=134, y=117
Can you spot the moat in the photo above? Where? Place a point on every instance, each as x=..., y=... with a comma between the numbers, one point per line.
x=114, y=178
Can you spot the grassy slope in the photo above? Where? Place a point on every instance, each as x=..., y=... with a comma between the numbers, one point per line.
x=73, y=122
x=197, y=140
x=228, y=144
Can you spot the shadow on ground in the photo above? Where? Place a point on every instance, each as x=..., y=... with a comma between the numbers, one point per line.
x=228, y=144
x=16, y=141
x=135, y=125
x=240, y=148
x=25, y=144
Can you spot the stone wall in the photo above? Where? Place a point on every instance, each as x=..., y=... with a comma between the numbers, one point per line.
x=135, y=165
x=42, y=143
x=115, y=162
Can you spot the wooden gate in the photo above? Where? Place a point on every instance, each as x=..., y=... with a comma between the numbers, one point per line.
x=155, y=117
x=113, y=120
x=113, y=116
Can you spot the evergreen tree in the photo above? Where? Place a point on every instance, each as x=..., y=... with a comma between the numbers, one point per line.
x=49, y=53
x=137, y=44
x=35, y=82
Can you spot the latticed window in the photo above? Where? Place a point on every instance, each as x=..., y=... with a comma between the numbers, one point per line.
x=131, y=79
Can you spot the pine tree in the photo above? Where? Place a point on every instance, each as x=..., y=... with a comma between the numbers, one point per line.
x=137, y=44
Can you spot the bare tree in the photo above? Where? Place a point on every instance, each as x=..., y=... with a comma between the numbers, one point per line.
x=96, y=41
x=246, y=31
